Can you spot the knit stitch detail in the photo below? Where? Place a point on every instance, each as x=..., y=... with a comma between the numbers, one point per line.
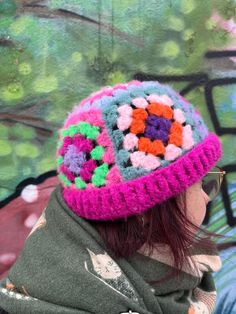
x=137, y=195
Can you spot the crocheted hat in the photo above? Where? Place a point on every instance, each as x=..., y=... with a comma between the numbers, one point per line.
x=129, y=147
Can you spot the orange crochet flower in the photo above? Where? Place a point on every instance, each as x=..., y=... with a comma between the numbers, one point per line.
x=146, y=145
x=140, y=114
x=160, y=110
x=155, y=109
x=137, y=126
x=176, y=128
x=176, y=134
x=167, y=112
x=175, y=139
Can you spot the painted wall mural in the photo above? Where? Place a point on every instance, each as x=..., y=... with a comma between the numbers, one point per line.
x=53, y=53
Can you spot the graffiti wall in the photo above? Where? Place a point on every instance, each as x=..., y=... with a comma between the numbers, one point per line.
x=53, y=53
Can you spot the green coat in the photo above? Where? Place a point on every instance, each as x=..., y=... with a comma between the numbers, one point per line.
x=64, y=268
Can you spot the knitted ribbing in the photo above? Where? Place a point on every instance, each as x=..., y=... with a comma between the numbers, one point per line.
x=137, y=195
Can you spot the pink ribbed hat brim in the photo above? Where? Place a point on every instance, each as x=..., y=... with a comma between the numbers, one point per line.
x=138, y=195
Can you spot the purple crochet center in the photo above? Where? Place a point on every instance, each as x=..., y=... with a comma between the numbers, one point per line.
x=82, y=143
x=138, y=195
x=74, y=159
x=157, y=128
x=185, y=104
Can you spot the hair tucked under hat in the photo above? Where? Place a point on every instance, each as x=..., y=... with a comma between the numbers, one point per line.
x=126, y=148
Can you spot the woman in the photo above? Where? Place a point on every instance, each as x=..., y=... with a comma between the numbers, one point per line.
x=121, y=233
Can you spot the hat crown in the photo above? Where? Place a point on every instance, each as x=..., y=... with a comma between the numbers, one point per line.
x=124, y=132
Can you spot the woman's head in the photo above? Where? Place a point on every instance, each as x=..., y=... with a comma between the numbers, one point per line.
x=138, y=152
x=175, y=223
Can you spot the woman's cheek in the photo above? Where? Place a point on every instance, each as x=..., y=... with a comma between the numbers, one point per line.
x=196, y=204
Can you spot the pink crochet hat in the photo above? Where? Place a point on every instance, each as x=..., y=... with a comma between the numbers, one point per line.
x=129, y=147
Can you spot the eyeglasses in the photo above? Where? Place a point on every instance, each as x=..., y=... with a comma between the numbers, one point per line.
x=211, y=182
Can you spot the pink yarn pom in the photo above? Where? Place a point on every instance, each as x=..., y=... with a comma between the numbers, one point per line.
x=103, y=138
x=123, y=123
x=125, y=119
x=113, y=176
x=130, y=141
x=125, y=110
x=153, y=98
x=149, y=161
x=179, y=115
x=172, y=152
x=166, y=100
x=108, y=156
x=137, y=158
x=188, y=141
x=163, y=99
x=140, y=102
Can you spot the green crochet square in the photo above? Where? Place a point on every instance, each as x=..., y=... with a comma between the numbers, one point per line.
x=93, y=134
x=88, y=130
x=65, y=180
x=80, y=183
x=102, y=170
x=65, y=133
x=97, y=152
x=97, y=180
x=73, y=129
x=60, y=160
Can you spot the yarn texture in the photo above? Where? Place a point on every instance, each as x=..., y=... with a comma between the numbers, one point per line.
x=129, y=147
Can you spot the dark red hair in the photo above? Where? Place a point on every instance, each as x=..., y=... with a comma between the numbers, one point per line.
x=168, y=224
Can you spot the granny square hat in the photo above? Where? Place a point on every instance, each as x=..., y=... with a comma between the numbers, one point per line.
x=126, y=148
